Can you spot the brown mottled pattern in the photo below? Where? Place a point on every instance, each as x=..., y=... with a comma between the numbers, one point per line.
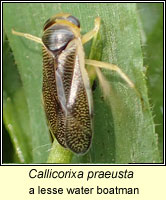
x=53, y=110
x=78, y=125
x=78, y=131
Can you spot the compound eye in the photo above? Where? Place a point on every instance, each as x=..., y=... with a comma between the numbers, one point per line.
x=74, y=21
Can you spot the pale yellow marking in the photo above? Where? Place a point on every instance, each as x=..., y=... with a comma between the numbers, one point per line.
x=28, y=36
x=104, y=84
x=61, y=15
x=110, y=67
x=113, y=67
x=88, y=36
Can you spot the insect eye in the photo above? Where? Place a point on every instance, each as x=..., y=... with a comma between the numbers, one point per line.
x=74, y=21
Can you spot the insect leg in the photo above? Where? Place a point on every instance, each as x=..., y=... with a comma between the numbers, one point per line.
x=88, y=36
x=28, y=36
x=114, y=68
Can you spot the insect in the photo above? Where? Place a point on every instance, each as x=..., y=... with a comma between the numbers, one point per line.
x=66, y=90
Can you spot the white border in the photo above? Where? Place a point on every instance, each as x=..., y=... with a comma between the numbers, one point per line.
x=132, y=164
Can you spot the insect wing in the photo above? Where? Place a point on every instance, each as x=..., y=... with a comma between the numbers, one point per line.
x=75, y=98
x=52, y=107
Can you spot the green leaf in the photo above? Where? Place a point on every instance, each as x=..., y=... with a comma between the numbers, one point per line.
x=153, y=59
x=124, y=130
x=8, y=149
x=15, y=107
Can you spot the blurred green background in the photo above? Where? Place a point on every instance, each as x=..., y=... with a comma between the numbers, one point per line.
x=125, y=131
